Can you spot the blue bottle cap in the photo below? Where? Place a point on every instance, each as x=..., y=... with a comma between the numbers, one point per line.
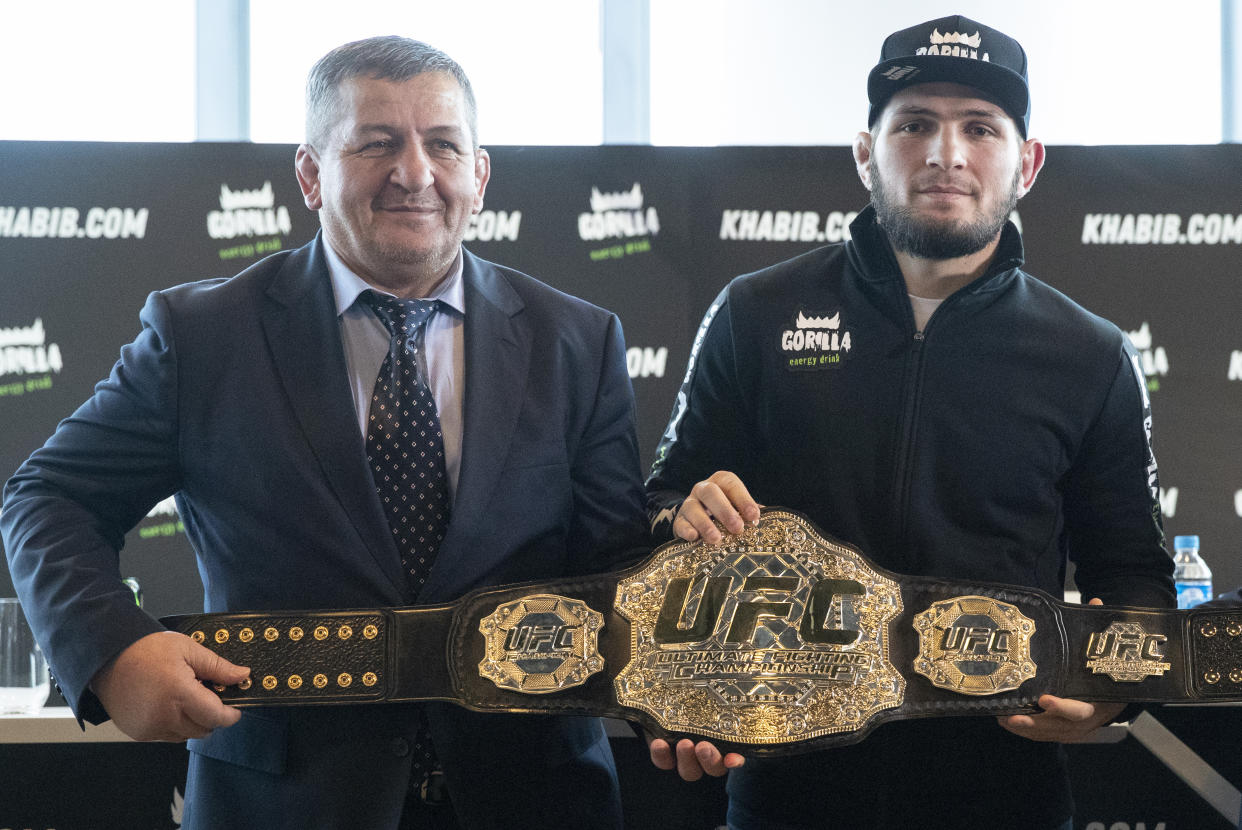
x=1185, y=542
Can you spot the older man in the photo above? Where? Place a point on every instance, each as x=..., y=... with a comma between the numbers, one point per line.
x=374, y=419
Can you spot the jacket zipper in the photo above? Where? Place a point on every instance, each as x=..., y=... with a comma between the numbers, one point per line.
x=903, y=473
x=903, y=478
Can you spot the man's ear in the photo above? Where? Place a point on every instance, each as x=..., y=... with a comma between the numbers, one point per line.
x=1033, y=155
x=482, y=173
x=862, y=158
x=306, y=166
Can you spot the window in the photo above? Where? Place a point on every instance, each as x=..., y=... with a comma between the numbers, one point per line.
x=89, y=71
x=722, y=71
x=794, y=71
x=536, y=68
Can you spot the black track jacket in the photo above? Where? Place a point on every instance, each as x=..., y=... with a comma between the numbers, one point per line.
x=1011, y=435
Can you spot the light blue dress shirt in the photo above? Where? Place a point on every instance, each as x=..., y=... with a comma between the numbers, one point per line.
x=442, y=361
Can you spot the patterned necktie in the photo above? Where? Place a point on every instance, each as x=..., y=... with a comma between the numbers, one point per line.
x=405, y=446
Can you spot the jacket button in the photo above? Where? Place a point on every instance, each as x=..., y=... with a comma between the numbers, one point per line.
x=400, y=747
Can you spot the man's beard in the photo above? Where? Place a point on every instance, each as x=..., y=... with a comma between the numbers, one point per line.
x=938, y=239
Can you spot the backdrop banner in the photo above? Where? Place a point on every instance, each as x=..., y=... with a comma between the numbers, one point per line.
x=1147, y=237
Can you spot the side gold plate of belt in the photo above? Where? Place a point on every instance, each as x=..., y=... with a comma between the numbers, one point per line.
x=775, y=641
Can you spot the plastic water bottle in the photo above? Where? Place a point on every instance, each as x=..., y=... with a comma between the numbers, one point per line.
x=1191, y=574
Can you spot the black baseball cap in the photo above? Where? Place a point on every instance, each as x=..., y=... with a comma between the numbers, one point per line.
x=957, y=50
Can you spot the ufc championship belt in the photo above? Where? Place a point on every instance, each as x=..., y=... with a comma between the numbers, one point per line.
x=776, y=641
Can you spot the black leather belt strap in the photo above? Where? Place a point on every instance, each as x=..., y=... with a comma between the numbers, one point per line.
x=779, y=640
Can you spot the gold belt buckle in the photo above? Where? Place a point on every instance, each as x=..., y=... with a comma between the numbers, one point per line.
x=774, y=636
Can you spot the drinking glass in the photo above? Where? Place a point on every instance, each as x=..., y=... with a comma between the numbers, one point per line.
x=24, y=679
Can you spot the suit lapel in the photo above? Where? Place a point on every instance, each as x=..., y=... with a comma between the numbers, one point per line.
x=497, y=346
x=304, y=337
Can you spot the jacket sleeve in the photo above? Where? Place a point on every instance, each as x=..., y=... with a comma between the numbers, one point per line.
x=606, y=470
x=68, y=507
x=1112, y=507
x=709, y=426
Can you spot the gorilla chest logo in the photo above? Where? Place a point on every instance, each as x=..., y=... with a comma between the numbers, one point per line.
x=814, y=341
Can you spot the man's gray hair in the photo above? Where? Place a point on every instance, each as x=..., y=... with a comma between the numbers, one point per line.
x=387, y=58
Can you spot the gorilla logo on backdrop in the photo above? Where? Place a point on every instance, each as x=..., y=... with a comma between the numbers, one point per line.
x=27, y=360
x=621, y=219
x=163, y=520
x=1153, y=359
x=252, y=216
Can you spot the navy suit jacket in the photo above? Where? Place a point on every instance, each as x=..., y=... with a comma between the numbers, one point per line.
x=235, y=397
